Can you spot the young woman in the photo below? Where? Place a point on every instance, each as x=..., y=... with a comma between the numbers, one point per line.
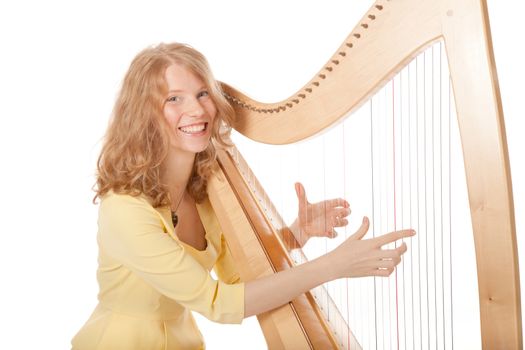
x=158, y=236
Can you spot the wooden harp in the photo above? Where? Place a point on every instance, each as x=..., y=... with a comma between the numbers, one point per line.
x=389, y=36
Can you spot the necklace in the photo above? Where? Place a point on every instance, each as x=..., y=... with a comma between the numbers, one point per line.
x=174, y=217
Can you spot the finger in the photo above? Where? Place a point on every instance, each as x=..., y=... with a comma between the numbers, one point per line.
x=338, y=218
x=361, y=232
x=301, y=193
x=383, y=262
x=337, y=202
x=394, y=236
x=382, y=272
x=328, y=233
x=340, y=222
x=389, y=253
x=401, y=249
x=341, y=212
x=390, y=262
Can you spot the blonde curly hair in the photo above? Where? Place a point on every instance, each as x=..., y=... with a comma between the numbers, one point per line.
x=137, y=140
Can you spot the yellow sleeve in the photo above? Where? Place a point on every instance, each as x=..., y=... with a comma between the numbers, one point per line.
x=131, y=232
x=225, y=265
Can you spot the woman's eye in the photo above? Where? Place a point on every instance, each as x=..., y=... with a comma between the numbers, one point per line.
x=173, y=99
x=203, y=94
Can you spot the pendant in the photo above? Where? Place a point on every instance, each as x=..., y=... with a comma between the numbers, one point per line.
x=174, y=218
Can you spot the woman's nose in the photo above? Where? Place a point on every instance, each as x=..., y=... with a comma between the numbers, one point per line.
x=194, y=108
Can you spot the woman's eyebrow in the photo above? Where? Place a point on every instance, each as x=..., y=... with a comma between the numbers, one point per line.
x=204, y=87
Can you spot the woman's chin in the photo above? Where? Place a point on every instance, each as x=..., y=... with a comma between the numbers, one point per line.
x=193, y=148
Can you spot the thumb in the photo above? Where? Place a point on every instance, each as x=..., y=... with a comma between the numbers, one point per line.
x=301, y=193
x=361, y=232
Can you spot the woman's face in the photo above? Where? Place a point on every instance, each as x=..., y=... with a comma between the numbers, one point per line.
x=189, y=110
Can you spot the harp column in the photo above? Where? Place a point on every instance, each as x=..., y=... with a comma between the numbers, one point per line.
x=478, y=103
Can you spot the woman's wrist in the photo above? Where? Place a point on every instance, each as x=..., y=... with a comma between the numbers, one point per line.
x=300, y=237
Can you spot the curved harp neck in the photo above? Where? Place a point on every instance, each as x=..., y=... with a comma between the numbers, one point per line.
x=387, y=37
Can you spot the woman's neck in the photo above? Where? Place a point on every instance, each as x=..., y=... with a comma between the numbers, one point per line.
x=177, y=174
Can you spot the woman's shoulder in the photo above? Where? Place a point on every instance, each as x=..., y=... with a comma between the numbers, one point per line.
x=127, y=213
x=113, y=202
x=116, y=198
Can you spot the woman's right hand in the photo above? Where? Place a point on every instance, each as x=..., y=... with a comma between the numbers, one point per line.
x=358, y=257
x=355, y=257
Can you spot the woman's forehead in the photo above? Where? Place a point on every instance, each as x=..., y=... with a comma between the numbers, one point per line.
x=179, y=77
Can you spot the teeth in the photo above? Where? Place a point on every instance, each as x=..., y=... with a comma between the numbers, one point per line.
x=193, y=129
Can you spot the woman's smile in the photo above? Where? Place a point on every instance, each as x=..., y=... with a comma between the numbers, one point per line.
x=196, y=129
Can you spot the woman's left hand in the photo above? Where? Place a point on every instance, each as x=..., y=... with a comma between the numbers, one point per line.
x=318, y=219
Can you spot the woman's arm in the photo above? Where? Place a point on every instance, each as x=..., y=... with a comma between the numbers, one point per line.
x=355, y=257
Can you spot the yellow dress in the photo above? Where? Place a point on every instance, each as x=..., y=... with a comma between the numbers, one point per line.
x=149, y=280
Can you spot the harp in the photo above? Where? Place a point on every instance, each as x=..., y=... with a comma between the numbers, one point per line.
x=389, y=36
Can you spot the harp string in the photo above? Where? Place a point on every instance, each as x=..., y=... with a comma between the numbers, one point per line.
x=401, y=86
x=347, y=290
x=373, y=211
x=450, y=210
x=395, y=207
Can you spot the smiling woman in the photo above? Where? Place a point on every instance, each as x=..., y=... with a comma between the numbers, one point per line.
x=158, y=236
x=151, y=154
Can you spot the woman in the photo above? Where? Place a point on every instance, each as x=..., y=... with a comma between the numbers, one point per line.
x=158, y=237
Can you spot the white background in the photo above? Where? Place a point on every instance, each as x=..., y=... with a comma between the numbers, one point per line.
x=60, y=69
